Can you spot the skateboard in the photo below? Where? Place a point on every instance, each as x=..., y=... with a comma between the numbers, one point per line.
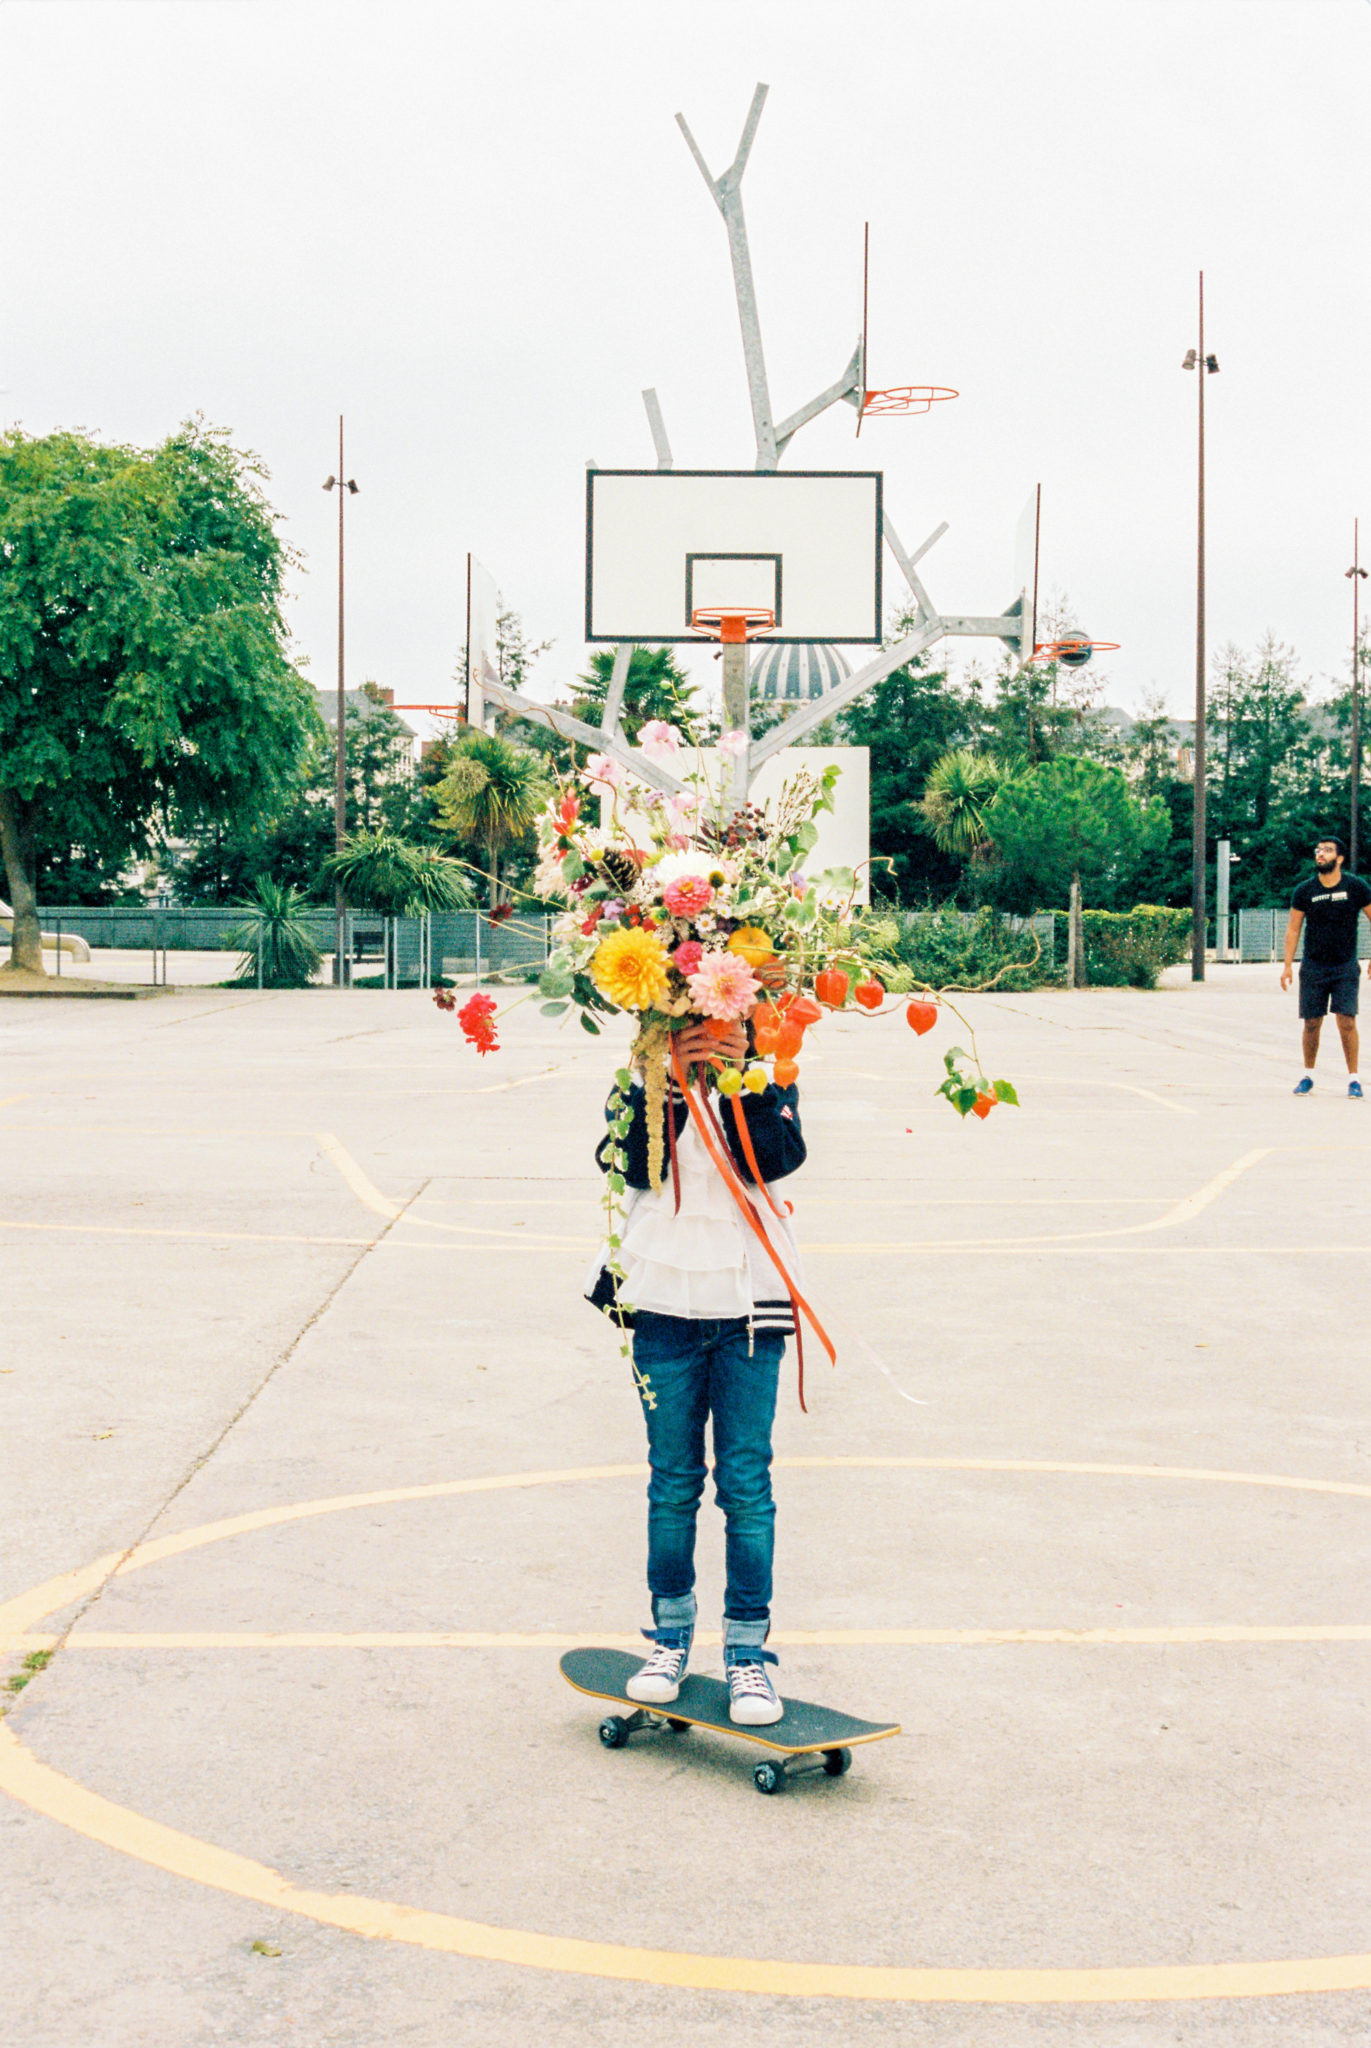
x=806, y=1738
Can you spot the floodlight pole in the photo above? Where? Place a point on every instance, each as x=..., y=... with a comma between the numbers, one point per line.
x=1356, y=573
x=1204, y=366
x=342, y=973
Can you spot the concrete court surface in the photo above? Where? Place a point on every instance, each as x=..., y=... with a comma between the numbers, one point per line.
x=307, y=1260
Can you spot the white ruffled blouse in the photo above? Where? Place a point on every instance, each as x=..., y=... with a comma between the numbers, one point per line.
x=702, y=1262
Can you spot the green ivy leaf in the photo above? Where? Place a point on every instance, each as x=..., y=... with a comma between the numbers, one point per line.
x=1004, y=1093
x=617, y=1183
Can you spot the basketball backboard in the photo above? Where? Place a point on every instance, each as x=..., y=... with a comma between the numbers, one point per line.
x=662, y=545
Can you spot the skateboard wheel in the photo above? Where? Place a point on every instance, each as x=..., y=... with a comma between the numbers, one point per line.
x=613, y=1731
x=681, y=1727
x=837, y=1762
x=769, y=1778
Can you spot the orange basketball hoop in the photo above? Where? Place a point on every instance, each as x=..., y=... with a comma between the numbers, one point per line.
x=732, y=627
x=1075, y=649
x=904, y=398
x=896, y=398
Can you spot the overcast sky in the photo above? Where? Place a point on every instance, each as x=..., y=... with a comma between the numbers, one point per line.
x=476, y=231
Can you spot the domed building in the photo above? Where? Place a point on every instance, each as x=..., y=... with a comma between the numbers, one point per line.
x=795, y=673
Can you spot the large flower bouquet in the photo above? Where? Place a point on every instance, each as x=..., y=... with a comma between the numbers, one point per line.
x=683, y=909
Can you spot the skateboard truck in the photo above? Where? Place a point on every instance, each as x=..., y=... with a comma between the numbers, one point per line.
x=769, y=1776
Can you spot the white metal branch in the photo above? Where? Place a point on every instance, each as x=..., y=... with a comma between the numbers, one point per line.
x=821, y=708
x=928, y=611
x=614, y=695
x=847, y=386
x=562, y=723
x=658, y=428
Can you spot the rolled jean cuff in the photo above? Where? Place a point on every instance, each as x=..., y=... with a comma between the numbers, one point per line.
x=745, y=1634
x=673, y=1613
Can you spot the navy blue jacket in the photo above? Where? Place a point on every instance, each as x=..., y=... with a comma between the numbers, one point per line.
x=773, y=1124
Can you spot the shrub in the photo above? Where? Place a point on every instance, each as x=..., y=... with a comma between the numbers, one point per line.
x=952, y=949
x=275, y=932
x=1128, y=948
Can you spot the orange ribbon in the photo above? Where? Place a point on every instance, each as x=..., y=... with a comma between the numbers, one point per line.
x=729, y=1175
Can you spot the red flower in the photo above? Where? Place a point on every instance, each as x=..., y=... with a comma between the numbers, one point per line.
x=500, y=913
x=477, y=1019
x=597, y=911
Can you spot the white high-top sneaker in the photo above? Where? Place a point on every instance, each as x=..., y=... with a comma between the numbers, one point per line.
x=659, y=1680
x=752, y=1700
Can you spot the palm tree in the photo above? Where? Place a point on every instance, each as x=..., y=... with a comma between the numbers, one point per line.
x=492, y=792
x=956, y=802
x=383, y=872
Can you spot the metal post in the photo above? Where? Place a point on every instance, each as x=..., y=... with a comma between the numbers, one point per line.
x=59, y=945
x=737, y=713
x=1222, y=858
x=477, y=916
x=1197, y=855
x=342, y=965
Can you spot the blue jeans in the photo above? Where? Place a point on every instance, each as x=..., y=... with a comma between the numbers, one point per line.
x=695, y=1370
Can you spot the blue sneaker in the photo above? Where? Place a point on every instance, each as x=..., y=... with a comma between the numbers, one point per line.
x=1354, y=1090
x=1306, y=1086
x=752, y=1700
x=659, y=1680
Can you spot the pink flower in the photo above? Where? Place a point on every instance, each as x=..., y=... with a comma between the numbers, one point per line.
x=687, y=956
x=733, y=743
x=602, y=773
x=723, y=986
x=688, y=895
x=659, y=741
x=683, y=809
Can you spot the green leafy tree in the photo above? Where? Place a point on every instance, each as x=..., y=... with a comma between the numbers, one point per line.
x=490, y=795
x=1070, y=819
x=909, y=720
x=292, y=834
x=143, y=672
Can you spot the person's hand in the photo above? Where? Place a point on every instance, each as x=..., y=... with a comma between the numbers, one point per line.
x=700, y=1044
x=1285, y=974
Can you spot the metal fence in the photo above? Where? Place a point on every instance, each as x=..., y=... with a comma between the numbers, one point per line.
x=1261, y=935
x=405, y=952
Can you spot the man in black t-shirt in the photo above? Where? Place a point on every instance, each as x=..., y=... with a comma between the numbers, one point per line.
x=1327, y=907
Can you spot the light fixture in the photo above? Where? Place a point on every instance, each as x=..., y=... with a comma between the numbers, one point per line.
x=1211, y=363
x=1188, y=364
x=332, y=483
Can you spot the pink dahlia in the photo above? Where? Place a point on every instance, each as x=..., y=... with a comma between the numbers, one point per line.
x=687, y=956
x=723, y=986
x=688, y=895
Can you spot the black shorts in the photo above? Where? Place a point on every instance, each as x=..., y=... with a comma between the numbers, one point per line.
x=1329, y=988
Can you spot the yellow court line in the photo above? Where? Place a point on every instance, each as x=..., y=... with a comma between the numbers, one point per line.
x=786, y=1639
x=87, y=1813
x=49, y=1792
x=196, y=1236
x=23, y=1610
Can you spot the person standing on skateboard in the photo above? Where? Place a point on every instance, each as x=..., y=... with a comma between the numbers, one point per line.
x=709, y=1324
x=1327, y=907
